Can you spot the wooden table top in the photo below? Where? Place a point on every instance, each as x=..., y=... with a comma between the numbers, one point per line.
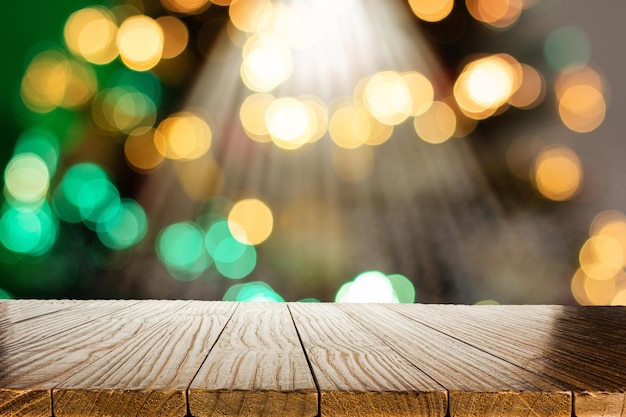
x=201, y=358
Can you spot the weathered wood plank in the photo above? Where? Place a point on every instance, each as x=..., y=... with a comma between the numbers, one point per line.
x=257, y=368
x=357, y=373
x=147, y=373
x=479, y=384
x=557, y=341
x=15, y=311
x=39, y=350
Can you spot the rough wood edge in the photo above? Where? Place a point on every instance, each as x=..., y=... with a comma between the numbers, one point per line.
x=118, y=403
x=384, y=404
x=600, y=404
x=510, y=404
x=252, y=403
x=25, y=403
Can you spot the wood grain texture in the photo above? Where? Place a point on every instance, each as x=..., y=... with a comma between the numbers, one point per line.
x=148, y=372
x=165, y=358
x=479, y=383
x=555, y=341
x=15, y=311
x=357, y=373
x=257, y=368
x=38, y=350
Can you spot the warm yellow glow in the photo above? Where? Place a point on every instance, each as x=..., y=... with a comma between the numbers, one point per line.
x=250, y=15
x=252, y=116
x=589, y=291
x=90, y=33
x=26, y=178
x=349, y=126
x=267, y=63
x=619, y=299
x=387, y=98
x=557, y=173
x=578, y=75
x=353, y=165
x=183, y=135
x=379, y=133
x=437, y=124
x=175, y=36
x=200, y=178
x=254, y=219
x=318, y=115
x=615, y=229
x=186, y=6
x=51, y=80
x=289, y=122
x=599, y=292
x=421, y=91
x=431, y=10
x=601, y=257
x=577, y=287
x=531, y=91
x=140, y=150
x=486, y=84
x=294, y=24
x=582, y=108
x=497, y=13
x=140, y=42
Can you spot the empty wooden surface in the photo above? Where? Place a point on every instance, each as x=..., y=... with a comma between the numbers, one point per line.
x=180, y=358
x=257, y=368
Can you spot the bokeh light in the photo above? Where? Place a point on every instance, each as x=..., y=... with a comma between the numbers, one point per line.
x=233, y=259
x=486, y=84
x=183, y=135
x=557, y=173
x=496, y=13
x=175, y=36
x=180, y=247
x=601, y=279
x=52, y=80
x=140, y=150
x=295, y=24
x=431, y=10
x=387, y=97
x=123, y=109
x=85, y=194
x=123, y=226
x=601, y=257
x=40, y=142
x=421, y=91
x=566, y=46
x=254, y=221
x=531, y=91
x=90, y=33
x=367, y=287
x=26, y=178
x=349, y=126
x=140, y=42
x=437, y=124
x=267, y=62
x=28, y=230
x=250, y=15
x=252, y=116
x=186, y=6
x=582, y=108
x=256, y=291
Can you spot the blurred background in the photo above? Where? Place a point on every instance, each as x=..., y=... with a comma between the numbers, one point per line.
x=362, y=150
